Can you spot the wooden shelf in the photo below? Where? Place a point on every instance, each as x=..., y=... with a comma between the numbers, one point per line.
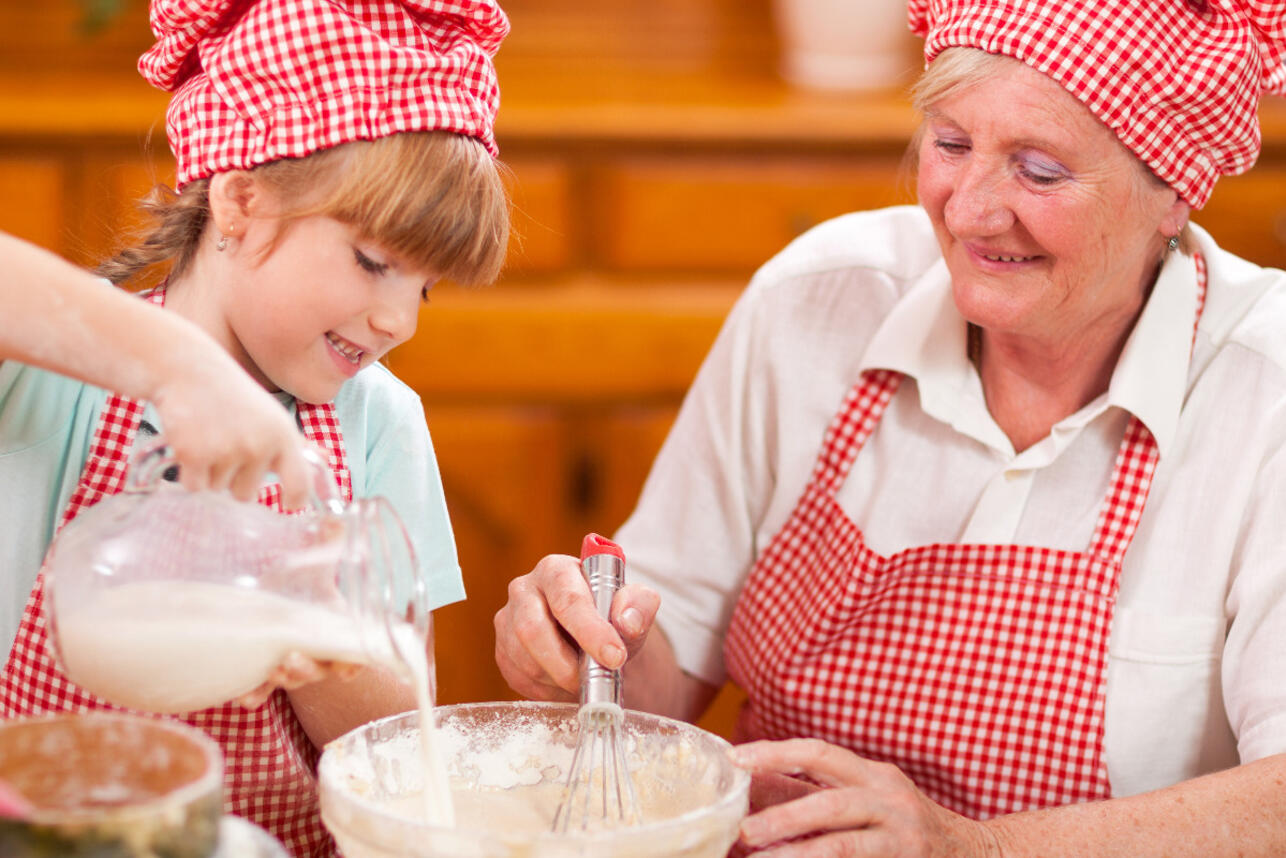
x=634, y=107
x=719, y=111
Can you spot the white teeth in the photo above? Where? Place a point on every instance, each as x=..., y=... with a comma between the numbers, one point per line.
x=1007, y=258
x=347, y=349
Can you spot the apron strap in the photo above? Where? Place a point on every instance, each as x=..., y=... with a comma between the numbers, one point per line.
x=1136, y=463
x=854, y=422
x=1121, y=508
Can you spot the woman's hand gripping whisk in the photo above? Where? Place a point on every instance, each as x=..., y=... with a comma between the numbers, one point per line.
x=600, y=791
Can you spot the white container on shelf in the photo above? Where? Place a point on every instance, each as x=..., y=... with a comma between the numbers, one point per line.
x=846, y=45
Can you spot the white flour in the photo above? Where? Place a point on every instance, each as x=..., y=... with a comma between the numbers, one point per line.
x=512, y=776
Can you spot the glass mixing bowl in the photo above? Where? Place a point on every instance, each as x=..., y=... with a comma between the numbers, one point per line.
x=507, y=763
x=111, y=785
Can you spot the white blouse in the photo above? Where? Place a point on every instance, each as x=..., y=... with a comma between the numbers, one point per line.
x=1196, y=676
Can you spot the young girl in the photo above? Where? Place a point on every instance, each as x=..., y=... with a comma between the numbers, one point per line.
x=334, y=159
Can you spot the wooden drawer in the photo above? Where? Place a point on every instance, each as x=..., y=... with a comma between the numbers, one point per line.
x=729, y=213
x=1247, y=214
x=566, y=344
x=116, y=177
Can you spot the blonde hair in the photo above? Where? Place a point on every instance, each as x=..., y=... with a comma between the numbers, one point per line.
x=953, y=69
x=434, y=198
x=961, y=68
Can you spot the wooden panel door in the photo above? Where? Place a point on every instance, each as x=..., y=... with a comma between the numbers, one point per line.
x=33, y=190
x=505, y=487
x=1247, y=215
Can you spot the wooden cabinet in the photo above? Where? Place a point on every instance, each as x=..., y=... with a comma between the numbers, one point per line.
x=504, y=476
x=1247, y=213
x=727, y=213
x=655, y=161
x=546, y=404
x=33, y=197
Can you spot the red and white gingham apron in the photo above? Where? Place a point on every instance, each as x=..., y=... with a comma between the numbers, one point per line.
x=270, y=762
x=979, y=670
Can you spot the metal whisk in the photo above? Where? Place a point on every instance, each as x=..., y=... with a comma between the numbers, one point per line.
x=600, y=792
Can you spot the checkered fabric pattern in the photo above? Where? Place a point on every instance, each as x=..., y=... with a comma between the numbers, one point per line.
x=269, y=762
x=979, y=670
x=1178, y=81
x=267, y=79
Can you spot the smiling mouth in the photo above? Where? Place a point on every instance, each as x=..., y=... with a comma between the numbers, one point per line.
x=995, y=258
x=351, y=352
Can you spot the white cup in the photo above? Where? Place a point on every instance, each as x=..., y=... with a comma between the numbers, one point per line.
x=853, y=45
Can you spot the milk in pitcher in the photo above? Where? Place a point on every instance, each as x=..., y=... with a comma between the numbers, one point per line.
x=180, y=646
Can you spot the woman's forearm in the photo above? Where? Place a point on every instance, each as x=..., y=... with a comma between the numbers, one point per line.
x=1237, y=812
x=60, y=317
x=655, y=683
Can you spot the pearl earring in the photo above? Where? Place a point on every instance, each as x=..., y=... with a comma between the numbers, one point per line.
x=222, y=244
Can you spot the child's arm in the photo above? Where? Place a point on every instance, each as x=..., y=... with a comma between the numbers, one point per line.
x=225, y=430
x=348, y=698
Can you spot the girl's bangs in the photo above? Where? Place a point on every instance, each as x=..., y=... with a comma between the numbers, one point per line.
x=435, y=199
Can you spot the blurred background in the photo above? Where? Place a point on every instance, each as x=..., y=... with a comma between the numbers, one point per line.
x=659, y=151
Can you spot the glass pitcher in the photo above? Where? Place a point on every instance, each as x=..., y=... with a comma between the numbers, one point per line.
x=166, y=600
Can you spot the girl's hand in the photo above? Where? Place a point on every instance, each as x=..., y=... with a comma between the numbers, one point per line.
x=550, y=613
x=294, y=671
x=861, y=808
x=227, y=432
x=311, y=571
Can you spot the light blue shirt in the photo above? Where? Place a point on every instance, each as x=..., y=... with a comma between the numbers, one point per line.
x=47, y=422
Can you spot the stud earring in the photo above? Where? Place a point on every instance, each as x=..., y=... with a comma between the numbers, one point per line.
x=222, y=244
x=1173, y=244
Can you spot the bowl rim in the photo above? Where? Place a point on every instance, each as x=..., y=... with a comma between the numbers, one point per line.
x=739, y=793
x=208, y=783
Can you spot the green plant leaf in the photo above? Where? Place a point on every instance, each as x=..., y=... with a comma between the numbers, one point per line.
x=97, y=15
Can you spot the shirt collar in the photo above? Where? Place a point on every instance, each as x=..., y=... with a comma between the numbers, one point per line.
x=924, y=336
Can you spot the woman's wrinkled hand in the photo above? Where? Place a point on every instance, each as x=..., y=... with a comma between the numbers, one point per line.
x=853, y=807
x=550, y=613
x=295, y=671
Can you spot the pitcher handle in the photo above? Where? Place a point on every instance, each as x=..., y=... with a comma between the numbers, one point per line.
x=149, y=464
x=324, y=494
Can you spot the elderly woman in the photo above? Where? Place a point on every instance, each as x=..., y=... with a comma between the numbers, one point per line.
x=981, y=502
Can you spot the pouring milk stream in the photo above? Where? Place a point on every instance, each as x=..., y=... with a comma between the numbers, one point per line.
x=170, y=601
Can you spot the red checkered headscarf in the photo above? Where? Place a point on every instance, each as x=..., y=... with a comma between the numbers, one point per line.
x=259, y=80
x=1179, y=81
